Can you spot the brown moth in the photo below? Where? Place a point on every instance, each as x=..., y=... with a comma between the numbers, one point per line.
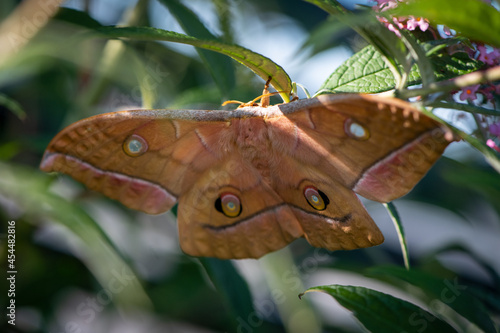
x=250, y=181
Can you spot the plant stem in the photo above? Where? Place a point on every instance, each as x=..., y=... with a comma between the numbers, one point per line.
x=463, y=107
x=489, y=75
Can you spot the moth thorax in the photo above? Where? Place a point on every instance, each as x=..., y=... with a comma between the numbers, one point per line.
x=251, y=132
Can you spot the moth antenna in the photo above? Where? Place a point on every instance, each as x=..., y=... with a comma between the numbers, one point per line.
x=264, y=98
x=232, y=102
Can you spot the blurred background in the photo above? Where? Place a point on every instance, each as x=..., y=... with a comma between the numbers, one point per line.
x=87, y=264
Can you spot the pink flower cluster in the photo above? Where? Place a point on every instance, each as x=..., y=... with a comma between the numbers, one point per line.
x=485, y=93
x=477, y=94
x=399, y=23
x=490, y=57
x=488, y=91
x=494, y=130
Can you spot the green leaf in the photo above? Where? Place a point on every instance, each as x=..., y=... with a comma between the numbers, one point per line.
x=365, y=72
x=230, y=285
x=13, y=106
x=449, y=66
x=434, y=46
x=485, y=182
x=330, y=6
x=223, y=10
x=488, y=75
x=321, y=37
x=260, y=65
x=473, y=18
x=374, y=32
x=77, y=17
x=478, y=259
x=30, y=190
x=380, y=312
x=418, y=54
x=489, y=298
x=220, y=67
x=398, y=224
x=448, y=291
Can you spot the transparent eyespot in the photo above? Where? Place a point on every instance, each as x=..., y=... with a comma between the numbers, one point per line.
x=356, y=130
x=228, y=204
x=135, y=145
x=316, y=199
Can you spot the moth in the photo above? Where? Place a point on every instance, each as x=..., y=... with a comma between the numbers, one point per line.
x=250, y=181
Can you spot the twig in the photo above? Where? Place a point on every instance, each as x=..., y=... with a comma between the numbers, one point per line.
x=489, y=75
